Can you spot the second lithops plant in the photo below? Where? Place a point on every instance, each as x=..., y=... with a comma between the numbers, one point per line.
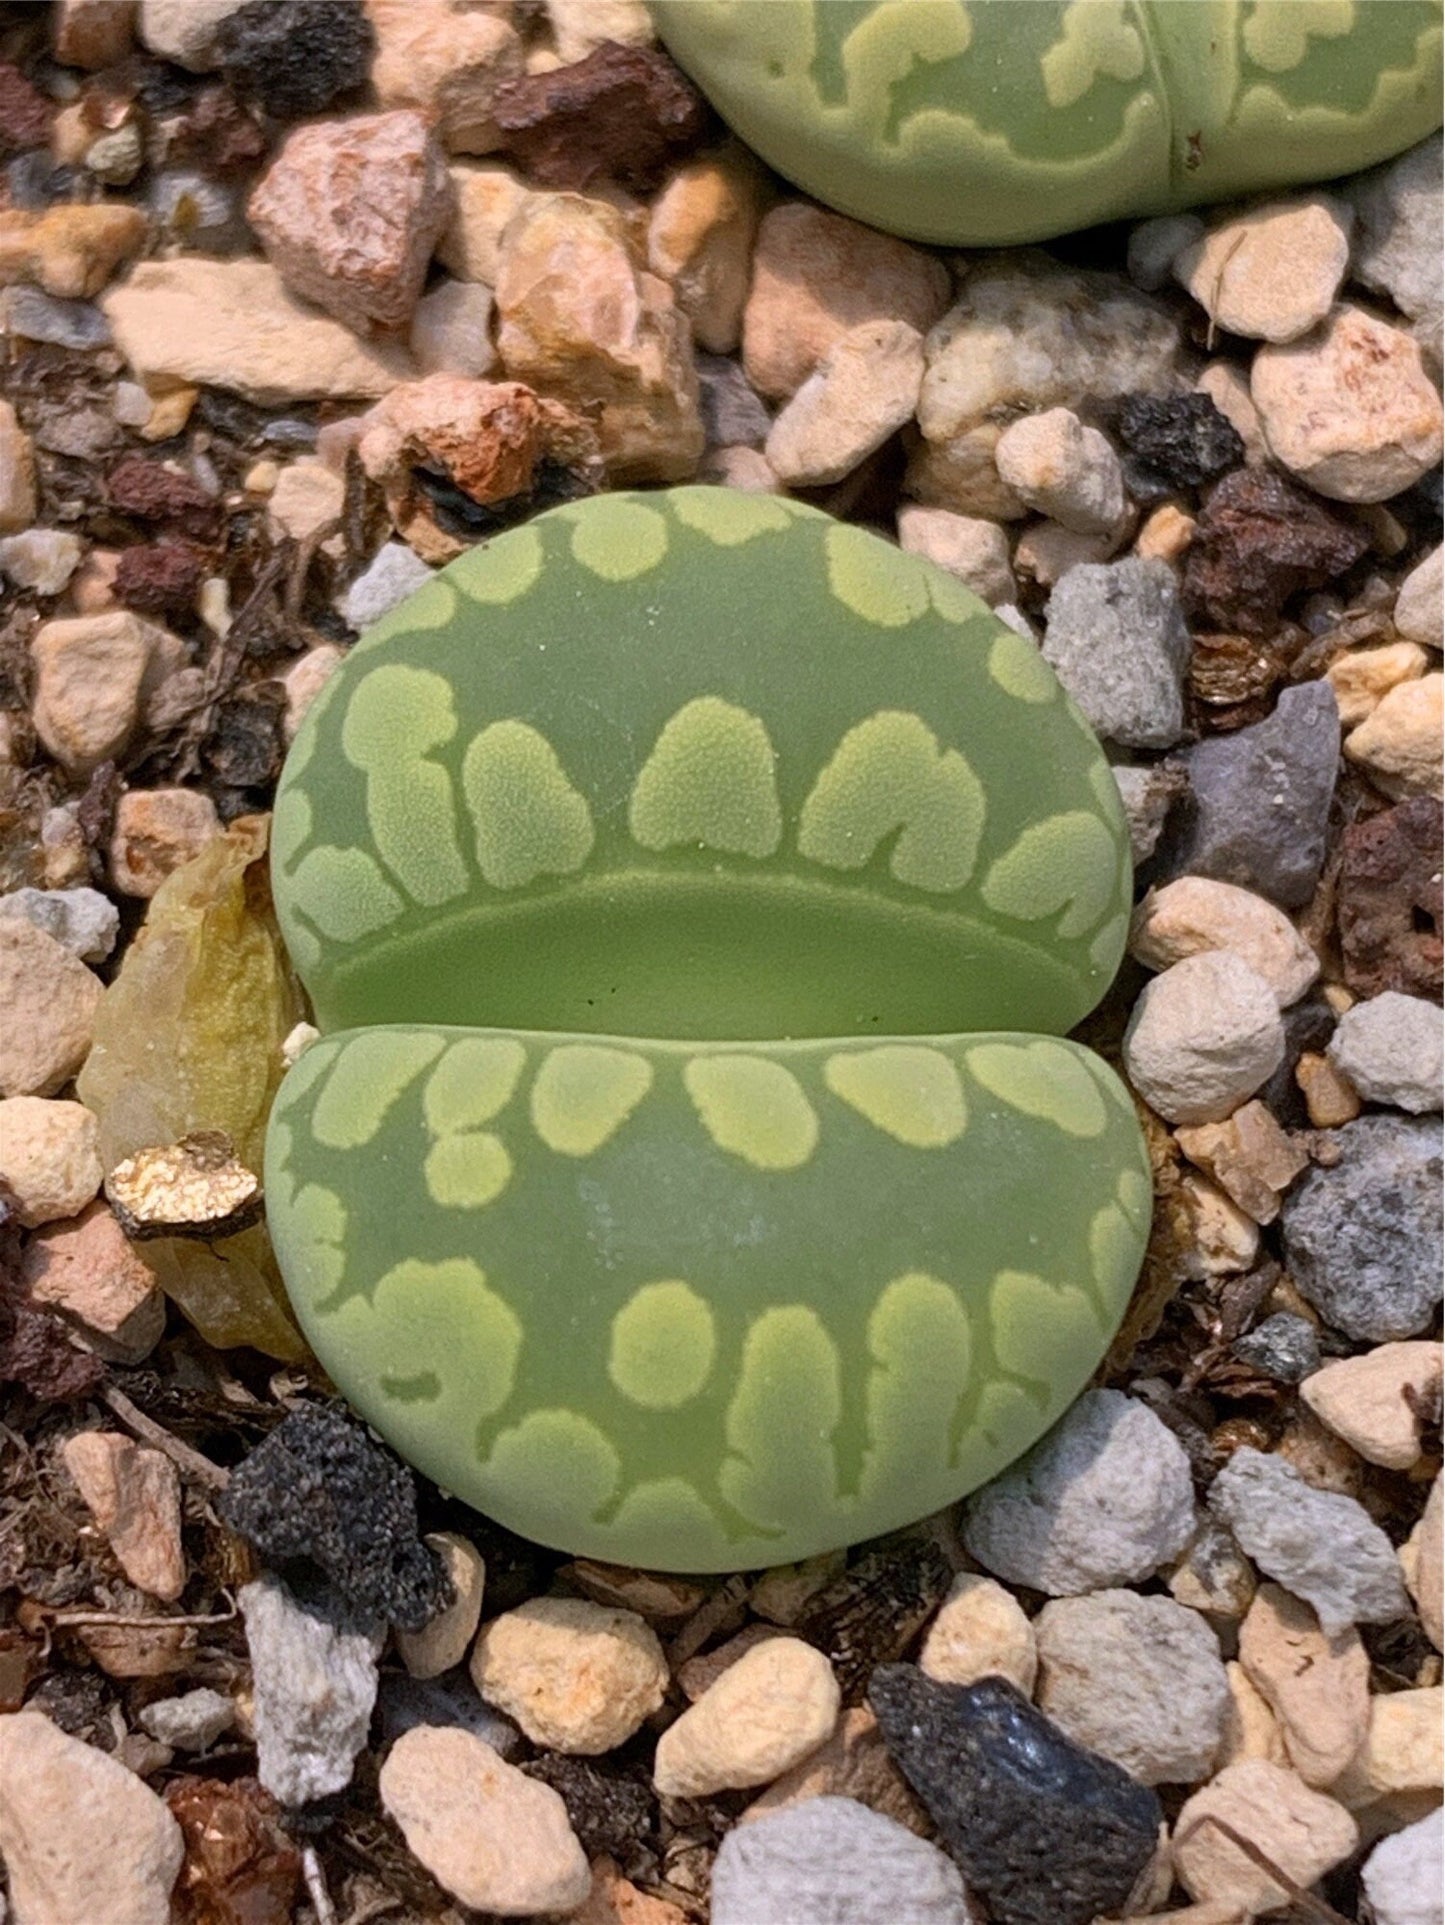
x=693, y=890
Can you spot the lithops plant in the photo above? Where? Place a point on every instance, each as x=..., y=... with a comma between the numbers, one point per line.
x=693, y=890
x=978, y=122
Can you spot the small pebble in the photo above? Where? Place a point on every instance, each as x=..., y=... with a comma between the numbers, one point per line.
x=1222, y=1241
x=495, y=1839
x=1398, y=743
x=1362, y=680
x=1403, y=1755
x=980, y=1631
x=862, y=391
x=1329, y=1099
x=81, y=920
x=700, y=237
x=17, y=472
x=732, y=414
x=1273, y=273
x=1417, y=606
x=1249, y=1156
x=1148, y=793
x=451, y=330
x=1322, y=1546
x=1402, y=1876
x=1203, y=1037
x=1380, y=1401
x=832, y=1861
x=314, y=1673
x=1389, y=1049
x=975, y=552
x=1066, y=471
x=35, y=315
x=1362, y=1237
x=1136, y=1679
x=1045, y=552
x=852, y=1763
x=1301, y=1831
x=296, y=56
x=1284, y=1348
x=94, y=675
x=576, y=1676
x=1424, y=1565
x=156, y=831
x=192, y=1722
x=442, y=1643
x=1196, y=913
x=1175, y=442
x=1316, y=1684
x=1213, y=1576
x=1259, y=539
x=1397, y=236
x=404, y=1702
x=1390, y=900
x=86, y=1269
x=42, y=559
x=49, y=1157
x=1117, y=637
x=1010, y=1793
x=306, y=495
x=392, y=574
x=1106, y=1498
x=763, y=1715
x=134, y=1495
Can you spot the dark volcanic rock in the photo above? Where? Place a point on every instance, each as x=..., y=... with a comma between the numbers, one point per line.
x=1259, y=540
x=1284, y=1347
x=296, y=56
x=320, y=1491
x=1045, y=1832
x=159, y=577
x=1390, y=900
x=623, y=114
x=1174, y=442
x=611, y=1806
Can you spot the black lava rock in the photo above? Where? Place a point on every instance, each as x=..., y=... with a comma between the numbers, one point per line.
x=610, y=1805
x=1285, y=1348
x=1044, y=1831
x=319, y=1492
x=296, y=56
x=1175, y=442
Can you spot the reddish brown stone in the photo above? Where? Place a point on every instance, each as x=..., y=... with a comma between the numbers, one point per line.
x=1258, y=541
x=239, y=1868
x=218, y=130
x=1389, y=904
x=159, y=577
x=152, y=492
x=24, y=112
x=36, y=1352
x=623, y=114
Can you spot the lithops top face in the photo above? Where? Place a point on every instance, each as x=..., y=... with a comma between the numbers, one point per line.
x=695, y=888
x=980, y=122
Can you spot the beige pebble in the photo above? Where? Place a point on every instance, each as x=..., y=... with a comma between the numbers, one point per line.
x=485, y=195
x=156, y=831
x=1273, y=273
x=1224, y=1241
x=92, y=586
x=1398, y=744
x=973, y=550
x=1065, y=470
x=496, y=1839
x=86, y=1269
x=17, y=473
x=1380, y=1401
x=134, y=1495
x=451, y=330
x=1361, y=680
x=701, y=1673
x=1317, y=1685
x=304, y=680
x=443, y=1642
x=1196, y=913
x=1329, y=1097
x=764, y=1715
x=1045, y=552
x=980, y=1631
x=1227, y=386
x=1249, y=1156
x=746, y=468
x=1251, y=1729
x=700, y=238
x=1425, y=1566
x=781, y=1593
x=576, y=1676
x=95, y=675
x=862, y=391
x=71, y=250
x=1166, y=535
x=49, y=1156
x=1301, y=1831
x=303, y=498
x=48, y=998
x=450, y=64
x=1213, y=1575
x=1204, y=1035
x=960, y=474
x=1417, y=606
x=168, y=413
x=656, y=1596
x=615, y=1900
x=1402, y=1752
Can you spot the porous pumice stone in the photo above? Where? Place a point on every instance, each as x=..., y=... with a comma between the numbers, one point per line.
x=979, y=122
x=694, y=890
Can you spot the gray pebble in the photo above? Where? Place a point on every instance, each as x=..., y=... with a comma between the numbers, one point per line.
x=403, y=1702
x=832, y=1861
x=314, y=1674
x=1402, y=1875
x=1362, y=1240
x=1105, y=1498
x=1148, y=793
x=81, y=920
x=1390, y=1049
x=199, y=208
x=1397, y=236
x=1116, y=635
x=1203, y=1036
x=1284, y=1347
x=392, y=574
x=1260, y=800
x=192, y=1722
x=1138, y=1679
x=1323, y=1546
x=38, y=316
x=733, y=416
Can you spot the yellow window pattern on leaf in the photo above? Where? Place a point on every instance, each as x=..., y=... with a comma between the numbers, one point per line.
x=888, y=774
x=908, y=1091
x=370, y=1075
x=729, y=517
x=876, y=581
x=528, y=819
x=467, y=1169
x=395, y=717
x=1042, y=1079
x=1066, y=863
x=919, y=1343
x=709, y=782
x=780, y=1472
x=474, y=1081
x=1096, y=39
x=502, y=572
x=664, y=1342
x=584, y=1093
x=618, y=539
x=552, y=1468
x=753, y=1108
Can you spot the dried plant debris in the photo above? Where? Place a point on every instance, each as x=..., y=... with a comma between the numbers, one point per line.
x=194, y=1188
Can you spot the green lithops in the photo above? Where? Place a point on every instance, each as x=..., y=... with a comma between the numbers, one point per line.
x=693, y=890
x=979, y=122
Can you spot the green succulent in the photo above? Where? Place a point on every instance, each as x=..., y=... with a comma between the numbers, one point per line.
x=694, y=890
x=982, y=122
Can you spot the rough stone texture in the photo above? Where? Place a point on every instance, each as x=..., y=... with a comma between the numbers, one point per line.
x=853, y=1763
x=307, y=495
x=83, y=1838
x=451, y=330
x=980, y=1631
x=1045, y=1832
x=1397, y=236
x=70, y=250
x=1251, y=1159
x=1425, y=1569
x=496, y=1839
x=1389, y=900
x=831, y=1861
x=1320, y=1545
x=976, y=552
x=314, y=1684
x=319, y=1489
x=449, y=64
x=1402, y=1876
x=1302, y=1832
x=87, y=1270
x=1329, y=1099
x=1148, y=793
x=580, y=25
x=349, y=212
x=443, y=1641
x=1361, y=680
x=184, y=31
x=192, y=1722
x=619, y=113
x=48, y=1157
x=1105, y=1498
x=1045, y=552
x=1221, y=1240
x=134, y=1496
x=1259, y=540
x=1165, y=535
x=1203, y=1036
x=485, y=195
x=1362, y=1239
x=1136, y=1679
x=764, y=1715
x=1403, y=1756
x=93, y=34
x=160, y=578
x=862, y=391
x=95, y=675
x=1385, y=437
x=49, y=999
x=815, y=276
x=1116, y=636
x=580, y=321
x=1213, y=1575
x=1272, y=273
x=1174, y=442
x=17, y=472
x=232, y=325
x=1292, y=758
x=1195, y=914
x=960, y=474
x=1389, y=1048
x=1380, y=1401
x=1418, y=604
x=43, y=559
x=1398, y=743
x=700, y=238
x=295, y=57
x=393, y=573
x=1065, y=470
x=1317, y=1684
x=156, y=830
x=576, y=1676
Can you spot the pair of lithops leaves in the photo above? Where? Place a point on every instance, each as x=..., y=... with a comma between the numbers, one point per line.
x=694, y=892
x=977, y=122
